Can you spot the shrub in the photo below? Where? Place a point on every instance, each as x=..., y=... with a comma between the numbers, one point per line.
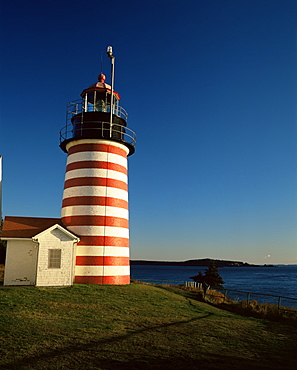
x=211, y=277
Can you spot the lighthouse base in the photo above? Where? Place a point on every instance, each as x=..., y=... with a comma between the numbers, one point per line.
x=102, y=280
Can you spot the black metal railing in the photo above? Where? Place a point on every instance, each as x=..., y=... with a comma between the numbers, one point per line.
x=105, y=130
x=94, y=121
x=78, y=106
x=240, y=295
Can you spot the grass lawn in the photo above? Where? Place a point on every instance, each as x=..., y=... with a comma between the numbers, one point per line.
x=133, y=327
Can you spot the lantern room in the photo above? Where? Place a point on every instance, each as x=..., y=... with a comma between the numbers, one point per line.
x=97, y=115
x=98, y=96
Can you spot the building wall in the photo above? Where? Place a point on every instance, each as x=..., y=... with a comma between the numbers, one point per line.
x=62, y=276
x=20, y=264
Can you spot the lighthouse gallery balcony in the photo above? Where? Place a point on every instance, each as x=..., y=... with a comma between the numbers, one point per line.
x=89, y=120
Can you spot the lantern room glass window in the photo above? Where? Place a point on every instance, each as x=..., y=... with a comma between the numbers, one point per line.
x=98, y=101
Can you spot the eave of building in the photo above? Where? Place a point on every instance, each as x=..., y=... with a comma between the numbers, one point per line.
x=12, y=238
x=59, y=227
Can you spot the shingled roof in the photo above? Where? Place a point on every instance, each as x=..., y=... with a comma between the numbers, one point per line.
x=27, y=227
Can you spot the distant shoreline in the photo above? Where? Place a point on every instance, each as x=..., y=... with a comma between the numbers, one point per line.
x=197, y=262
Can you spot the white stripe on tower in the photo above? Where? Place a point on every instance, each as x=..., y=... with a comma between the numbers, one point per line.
x=95, y=207
x=94, y=210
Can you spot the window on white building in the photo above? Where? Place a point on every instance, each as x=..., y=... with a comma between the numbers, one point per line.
x=54, y=258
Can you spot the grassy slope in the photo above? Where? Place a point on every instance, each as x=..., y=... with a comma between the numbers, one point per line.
x=133, y=327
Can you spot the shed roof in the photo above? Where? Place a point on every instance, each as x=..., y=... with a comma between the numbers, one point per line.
x=27, y=227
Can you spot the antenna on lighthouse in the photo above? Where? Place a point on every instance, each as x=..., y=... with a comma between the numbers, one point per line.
x=112, y=58
x=101, y=64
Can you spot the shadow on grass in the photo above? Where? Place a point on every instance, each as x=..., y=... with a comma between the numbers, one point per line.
x=114, y=354
x=50, y=359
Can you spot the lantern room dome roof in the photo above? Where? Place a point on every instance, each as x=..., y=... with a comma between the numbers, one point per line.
x=100, y=86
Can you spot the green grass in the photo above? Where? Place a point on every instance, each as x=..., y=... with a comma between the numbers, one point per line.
x=133, y=327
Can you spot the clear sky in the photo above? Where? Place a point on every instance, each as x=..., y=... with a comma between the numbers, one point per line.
x=210, y=88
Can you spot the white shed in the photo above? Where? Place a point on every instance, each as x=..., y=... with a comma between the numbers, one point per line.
x=40, y=251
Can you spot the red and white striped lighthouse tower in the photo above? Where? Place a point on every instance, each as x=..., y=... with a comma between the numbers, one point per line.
x=95, y=198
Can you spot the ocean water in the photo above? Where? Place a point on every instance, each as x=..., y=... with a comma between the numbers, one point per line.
x=280, y=280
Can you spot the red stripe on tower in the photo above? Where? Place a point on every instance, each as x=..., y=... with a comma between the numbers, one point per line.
x=112, y=241
x=94, y=220
x=97, y=147
x=95, y=181
x=100, y=260
x=91, y=164
x=96, y=201
x=103, y=280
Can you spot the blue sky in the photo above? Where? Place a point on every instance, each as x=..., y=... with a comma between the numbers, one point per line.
x=210, y=88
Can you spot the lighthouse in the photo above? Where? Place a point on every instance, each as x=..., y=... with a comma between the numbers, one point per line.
x=95, y=198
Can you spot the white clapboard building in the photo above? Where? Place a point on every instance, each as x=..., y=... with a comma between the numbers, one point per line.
x=40, y=252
